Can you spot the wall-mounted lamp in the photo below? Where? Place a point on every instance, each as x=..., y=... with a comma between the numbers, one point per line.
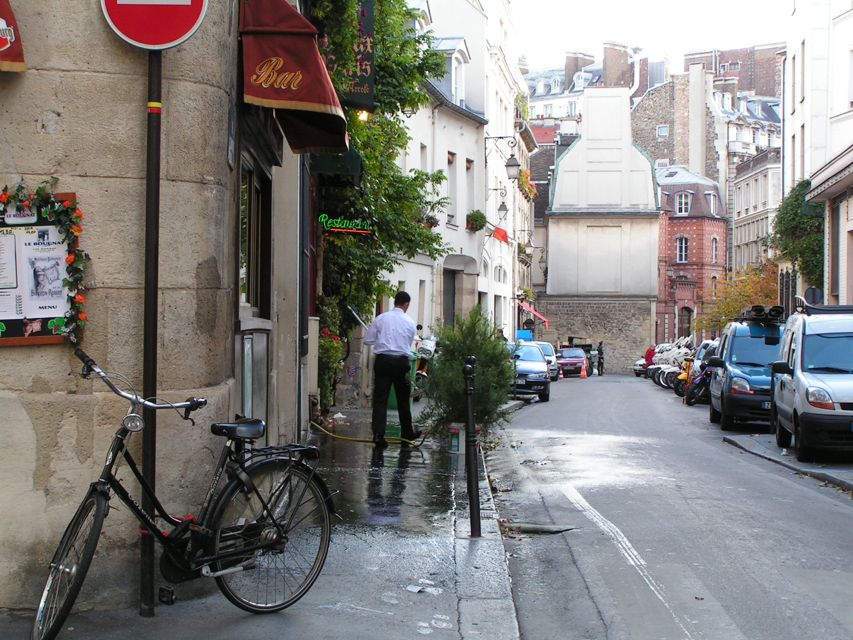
x=502, y=209
x=512, y=164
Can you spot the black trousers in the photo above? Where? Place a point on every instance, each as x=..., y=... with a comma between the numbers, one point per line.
x=391, y=371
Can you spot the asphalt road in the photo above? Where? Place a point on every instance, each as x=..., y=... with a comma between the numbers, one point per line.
x=669, y=532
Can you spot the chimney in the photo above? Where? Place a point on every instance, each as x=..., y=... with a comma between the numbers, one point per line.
x=575, y=62
x=617, y=65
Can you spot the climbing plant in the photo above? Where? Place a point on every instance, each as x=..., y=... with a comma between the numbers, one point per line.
x=798, y=233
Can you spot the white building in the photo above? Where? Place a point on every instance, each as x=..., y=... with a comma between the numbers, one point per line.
x=818, y=128
x=757, y=192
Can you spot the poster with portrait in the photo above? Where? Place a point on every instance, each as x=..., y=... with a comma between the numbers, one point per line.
x=33, y=299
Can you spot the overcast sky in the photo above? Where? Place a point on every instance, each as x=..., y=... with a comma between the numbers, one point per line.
x=547, y=29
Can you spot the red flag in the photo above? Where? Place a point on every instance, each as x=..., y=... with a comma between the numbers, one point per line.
x=282, y=69
x=11, y=48
x=500, y=234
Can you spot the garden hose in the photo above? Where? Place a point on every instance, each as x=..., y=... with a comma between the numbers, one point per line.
x=391, y=440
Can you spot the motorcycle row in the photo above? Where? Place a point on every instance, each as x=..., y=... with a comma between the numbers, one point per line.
x=682, y=367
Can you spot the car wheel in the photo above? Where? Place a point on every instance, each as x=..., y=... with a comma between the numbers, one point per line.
x=804, y=453
x=555, y=378
x=727, y=423
x=713, y=415
x=545, y=397
x=783, y=436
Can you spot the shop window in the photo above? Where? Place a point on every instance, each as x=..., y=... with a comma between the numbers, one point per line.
x=254, y=239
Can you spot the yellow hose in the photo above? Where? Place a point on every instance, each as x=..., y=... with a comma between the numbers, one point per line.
x=316, y=425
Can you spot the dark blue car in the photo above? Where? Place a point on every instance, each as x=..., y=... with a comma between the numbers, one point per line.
x=740, y=384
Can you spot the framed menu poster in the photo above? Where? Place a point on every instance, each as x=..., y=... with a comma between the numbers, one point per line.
x=33, y=299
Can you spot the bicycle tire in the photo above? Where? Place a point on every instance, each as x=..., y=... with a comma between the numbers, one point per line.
x=290, y=566
x=69, y=566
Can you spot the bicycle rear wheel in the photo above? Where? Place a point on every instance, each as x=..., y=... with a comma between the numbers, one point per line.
x=273, y=566
x=69, y=566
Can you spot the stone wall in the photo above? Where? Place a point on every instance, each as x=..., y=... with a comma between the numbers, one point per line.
x=626, y=325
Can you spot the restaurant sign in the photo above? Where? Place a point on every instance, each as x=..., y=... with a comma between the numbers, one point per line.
x=341, y=224
x=11, y=48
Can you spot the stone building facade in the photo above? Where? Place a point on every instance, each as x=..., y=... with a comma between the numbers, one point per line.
x=79, y=113
x=758, y=191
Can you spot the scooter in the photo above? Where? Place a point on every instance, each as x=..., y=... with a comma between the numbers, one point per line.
x=426, y=351
x=684, y=377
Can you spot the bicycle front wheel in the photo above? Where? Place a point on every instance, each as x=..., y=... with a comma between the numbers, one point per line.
x=272, y=534
x=69, y=566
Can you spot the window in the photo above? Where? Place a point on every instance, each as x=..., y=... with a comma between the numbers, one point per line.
x=734, y=66
x=663, y=131
x=452, y=188
x=681, y=249
x=255, y=233
x=714, y=286
x=793, y=83
x=682, y=203
x=458, y=80
x=661, y=162
x=712, y=203
x=723, y=67
x=713, y=251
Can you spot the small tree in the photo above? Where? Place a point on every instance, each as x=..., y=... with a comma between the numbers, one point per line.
x=754, y=285
x=472, y=335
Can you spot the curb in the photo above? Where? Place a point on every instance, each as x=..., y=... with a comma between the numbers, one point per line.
x=483, y=583
x=748, y=444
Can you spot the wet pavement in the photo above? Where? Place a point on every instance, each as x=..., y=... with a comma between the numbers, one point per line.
x=401, y=563
x=834, y=469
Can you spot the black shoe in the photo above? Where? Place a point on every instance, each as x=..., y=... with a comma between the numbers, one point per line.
x=382, y=443
x=414, y=436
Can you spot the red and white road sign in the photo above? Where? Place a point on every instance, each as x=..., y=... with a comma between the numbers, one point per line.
x=154, y=24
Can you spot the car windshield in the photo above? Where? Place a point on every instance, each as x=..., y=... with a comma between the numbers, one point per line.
x=546, y=347
x=572, y=353
x=754, y=350
x=529, y=353
x=828, y=352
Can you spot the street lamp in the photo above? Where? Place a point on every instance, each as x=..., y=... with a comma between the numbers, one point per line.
x=502, y=209
x=512, y=164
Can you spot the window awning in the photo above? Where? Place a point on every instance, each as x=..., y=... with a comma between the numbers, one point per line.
x=11, y=48
x=527, y=307
x=283, y=70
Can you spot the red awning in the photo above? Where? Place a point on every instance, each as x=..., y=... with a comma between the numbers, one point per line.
x=527, y=307
x=11, y=47
x=283, y=69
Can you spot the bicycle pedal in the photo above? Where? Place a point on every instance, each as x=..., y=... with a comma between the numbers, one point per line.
x=166, y=595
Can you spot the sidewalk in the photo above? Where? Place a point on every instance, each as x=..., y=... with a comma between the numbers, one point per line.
x=401, y=562
x=764, y=445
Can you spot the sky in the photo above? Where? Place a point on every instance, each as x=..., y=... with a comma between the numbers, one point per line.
x=547, y=29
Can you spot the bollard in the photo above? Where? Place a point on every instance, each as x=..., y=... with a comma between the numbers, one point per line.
x=471, y=463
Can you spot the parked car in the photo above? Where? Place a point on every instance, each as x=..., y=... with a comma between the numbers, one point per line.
x=531, y=372
x=639, y=367
x=550, y=358
x=571, y=361
x=740, y=383
x=813, y=381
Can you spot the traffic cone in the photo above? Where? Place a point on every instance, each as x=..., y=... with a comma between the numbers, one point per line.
x=583, y=371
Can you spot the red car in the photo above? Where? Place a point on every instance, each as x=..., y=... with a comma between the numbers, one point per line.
x=571, y=360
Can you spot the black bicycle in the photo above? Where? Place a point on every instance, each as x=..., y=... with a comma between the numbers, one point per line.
x=264, y=537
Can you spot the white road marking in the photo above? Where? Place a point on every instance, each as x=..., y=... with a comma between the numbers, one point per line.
x=625, y=548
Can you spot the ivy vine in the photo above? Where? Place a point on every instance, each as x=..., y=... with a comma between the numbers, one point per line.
x=798, y=233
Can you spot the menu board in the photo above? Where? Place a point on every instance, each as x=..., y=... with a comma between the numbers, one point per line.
x=33, y=299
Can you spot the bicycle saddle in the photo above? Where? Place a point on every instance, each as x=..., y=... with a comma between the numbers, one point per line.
x=242, y=429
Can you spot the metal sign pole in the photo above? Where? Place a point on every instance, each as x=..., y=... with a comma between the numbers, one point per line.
x=149, y=362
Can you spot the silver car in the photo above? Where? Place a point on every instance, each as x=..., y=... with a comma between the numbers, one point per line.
x=550, y=358
x=812, y=398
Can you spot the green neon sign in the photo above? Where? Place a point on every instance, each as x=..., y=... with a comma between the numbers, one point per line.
x=345, y=225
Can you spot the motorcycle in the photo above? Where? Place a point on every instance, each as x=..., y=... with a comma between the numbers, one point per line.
x=684, y=377
x=700, y=388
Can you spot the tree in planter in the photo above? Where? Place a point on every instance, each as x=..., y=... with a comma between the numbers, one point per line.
x=472, y=335
x=475, y=220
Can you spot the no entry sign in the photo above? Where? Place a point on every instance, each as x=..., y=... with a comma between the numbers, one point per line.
x=154, y=24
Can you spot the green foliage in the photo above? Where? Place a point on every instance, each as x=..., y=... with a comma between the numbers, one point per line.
x=798, y=233
x=397, y=203
x=475, y=220
x=475, y=336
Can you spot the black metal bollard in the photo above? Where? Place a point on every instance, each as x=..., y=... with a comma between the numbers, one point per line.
x=471, y=462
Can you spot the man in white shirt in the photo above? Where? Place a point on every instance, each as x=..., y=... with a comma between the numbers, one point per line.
x=391, y=336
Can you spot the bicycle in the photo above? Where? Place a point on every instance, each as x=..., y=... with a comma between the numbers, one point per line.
x=263, y=538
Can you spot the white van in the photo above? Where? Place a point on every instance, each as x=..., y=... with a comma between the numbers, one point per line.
x=812, y=399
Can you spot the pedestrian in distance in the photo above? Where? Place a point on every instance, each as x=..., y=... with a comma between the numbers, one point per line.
x=600, y=351
x=391, y=336
x=500, y=335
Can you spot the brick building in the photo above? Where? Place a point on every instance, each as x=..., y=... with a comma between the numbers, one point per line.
x=692, y=249
x=756, y=69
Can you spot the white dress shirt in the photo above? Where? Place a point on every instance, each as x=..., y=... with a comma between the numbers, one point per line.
x=391, y=333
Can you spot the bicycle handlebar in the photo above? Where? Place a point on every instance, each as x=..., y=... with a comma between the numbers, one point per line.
x=190, y=404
